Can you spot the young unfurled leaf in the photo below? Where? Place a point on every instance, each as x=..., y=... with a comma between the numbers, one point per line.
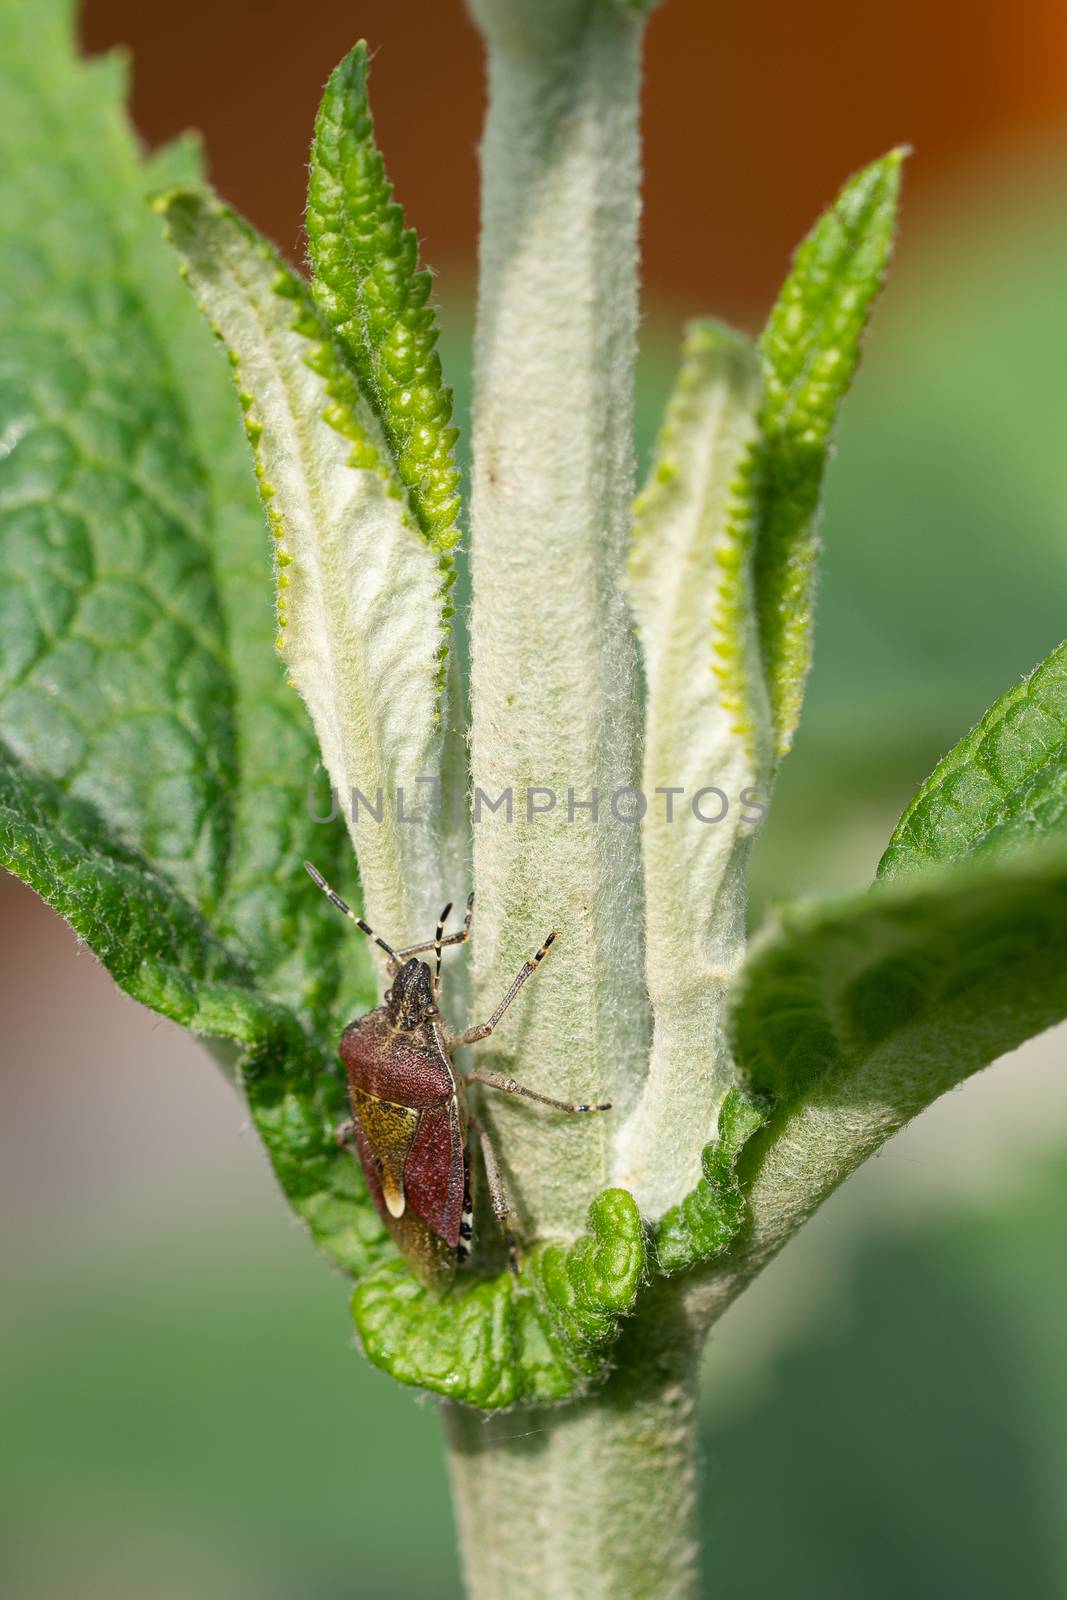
x=810, y=349
x=722, y=582
x=707, y=723
x=532, y=1339
x=362, y=598
x=371, y=293
x=1004, y=786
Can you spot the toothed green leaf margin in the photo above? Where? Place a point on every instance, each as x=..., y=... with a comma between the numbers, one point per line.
x=1003, y=786
x=810, y=349
x=366, y=283
x=710, y=1216
x=528, y=1339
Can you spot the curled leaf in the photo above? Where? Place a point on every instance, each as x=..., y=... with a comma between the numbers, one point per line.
x=535, y=1338
x=708, y=1219
x=854, y=1014
x=161, y=951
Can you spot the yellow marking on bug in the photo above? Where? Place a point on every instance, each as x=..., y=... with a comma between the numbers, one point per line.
x=390, y=1130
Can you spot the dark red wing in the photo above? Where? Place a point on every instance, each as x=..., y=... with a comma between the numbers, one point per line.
x=434, y=1172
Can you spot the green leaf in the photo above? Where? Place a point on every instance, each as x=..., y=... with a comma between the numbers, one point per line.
x=529, y=1339
x=371, y=293
x=301, y=956
x=706, y=722
x=151, y=940
x=113, y=379
x=947, y=942
x=892, y=996
x=135, y=616
x=854, y=1014
x=1002, y=787
x=810, y=349
x=154, y=765
x=113, y=681
x=709, y=1217
x=362, y=599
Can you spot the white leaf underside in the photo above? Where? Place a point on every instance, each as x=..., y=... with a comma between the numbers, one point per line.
x=360, y=589
x=707, y=725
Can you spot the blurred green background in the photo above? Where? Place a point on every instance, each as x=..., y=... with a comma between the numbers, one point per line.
x=181, y=1409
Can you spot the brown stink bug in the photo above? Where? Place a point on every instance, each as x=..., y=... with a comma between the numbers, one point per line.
x=410, y=1122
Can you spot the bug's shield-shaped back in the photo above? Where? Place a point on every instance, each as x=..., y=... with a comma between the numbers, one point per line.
x=391, y=1131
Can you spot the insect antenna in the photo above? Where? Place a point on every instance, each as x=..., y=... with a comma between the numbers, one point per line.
x=347, y=911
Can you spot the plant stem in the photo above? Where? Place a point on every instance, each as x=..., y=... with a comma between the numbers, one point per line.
x=591, y=1500
x=555, y=705
x=597, y=1498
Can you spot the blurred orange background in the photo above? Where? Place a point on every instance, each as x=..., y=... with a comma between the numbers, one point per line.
x=754, y=114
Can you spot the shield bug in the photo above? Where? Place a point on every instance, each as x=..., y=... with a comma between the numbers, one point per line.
x=411, y=1122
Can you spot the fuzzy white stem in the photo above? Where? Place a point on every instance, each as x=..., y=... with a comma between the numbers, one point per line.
x=595, y=1501
x=554, y=673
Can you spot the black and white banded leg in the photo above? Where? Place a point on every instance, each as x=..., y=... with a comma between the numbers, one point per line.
x=454, y=938
x=494, y=1080
x=524, y=974
x=466, y=1225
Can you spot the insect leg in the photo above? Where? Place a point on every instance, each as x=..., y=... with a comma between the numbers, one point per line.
x=525, y=972
x=453, y=938
x=493, y=1080
x=498, y=1194
x=347, y=911
x=442, y=919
